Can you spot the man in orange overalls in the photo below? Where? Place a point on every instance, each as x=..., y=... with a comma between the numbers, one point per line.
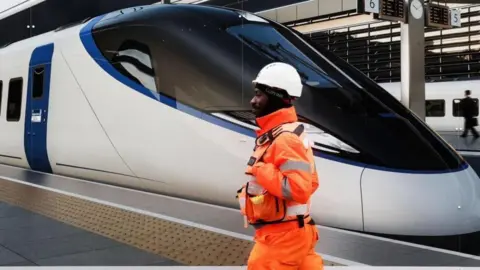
x=276, y=200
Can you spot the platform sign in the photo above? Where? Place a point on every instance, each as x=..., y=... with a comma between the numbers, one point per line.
x=372, y=6
x=456, y=17
x=390, y=10
x=438, y=16
x=393, y=10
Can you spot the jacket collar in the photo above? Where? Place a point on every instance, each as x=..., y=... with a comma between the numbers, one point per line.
x=279, y=117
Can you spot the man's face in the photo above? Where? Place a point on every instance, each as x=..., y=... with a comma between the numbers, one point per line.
x=258, y=102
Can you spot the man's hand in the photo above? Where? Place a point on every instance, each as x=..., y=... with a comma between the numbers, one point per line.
x=262, y=170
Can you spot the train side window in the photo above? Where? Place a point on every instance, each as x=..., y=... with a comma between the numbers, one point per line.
x=38, y=74
x=435, y=108
x=1, y=92
x=456, y=107
x=14, y=103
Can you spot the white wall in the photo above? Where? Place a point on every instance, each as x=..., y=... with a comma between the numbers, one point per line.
x=10, y=7
x=308, y=9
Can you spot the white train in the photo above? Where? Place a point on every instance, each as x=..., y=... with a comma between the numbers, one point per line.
x=442, y=102
x=157, y=98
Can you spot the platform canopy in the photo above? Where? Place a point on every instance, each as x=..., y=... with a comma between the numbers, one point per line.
x=20, y=19
x=463, y=1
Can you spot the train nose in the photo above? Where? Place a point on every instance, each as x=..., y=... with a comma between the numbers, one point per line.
x=428, y=204
x=469, y=209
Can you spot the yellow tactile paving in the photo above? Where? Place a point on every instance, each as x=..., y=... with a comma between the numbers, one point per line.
x=184, y=244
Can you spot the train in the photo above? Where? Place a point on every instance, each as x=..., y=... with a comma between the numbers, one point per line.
x=156, y=98
x=442, y=102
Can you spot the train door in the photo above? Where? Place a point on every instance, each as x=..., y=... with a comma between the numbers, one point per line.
x=456, y=115
x=36, y=117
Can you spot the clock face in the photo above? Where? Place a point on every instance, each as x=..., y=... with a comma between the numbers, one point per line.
x=416, y=8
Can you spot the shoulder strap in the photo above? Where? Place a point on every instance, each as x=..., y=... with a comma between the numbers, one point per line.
x=272, y=134
x=299, y=129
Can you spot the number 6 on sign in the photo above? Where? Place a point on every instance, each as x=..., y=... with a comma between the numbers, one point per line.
x=372, y=6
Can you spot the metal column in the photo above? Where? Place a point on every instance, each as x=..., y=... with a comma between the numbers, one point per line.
x=413, y=61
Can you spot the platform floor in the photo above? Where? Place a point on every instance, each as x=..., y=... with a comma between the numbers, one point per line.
x=158, y=238
x=461, y=144
x=188, y=232
x=30, y=239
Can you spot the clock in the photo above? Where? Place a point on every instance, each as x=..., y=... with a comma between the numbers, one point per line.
x=416, y=8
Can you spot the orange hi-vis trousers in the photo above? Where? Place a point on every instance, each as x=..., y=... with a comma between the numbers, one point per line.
x=286, y=249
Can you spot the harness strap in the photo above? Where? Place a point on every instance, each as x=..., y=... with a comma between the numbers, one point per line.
x=300, y=220
x=269, y=137
x=297, y=210
x=272, y=134
x=299, y=130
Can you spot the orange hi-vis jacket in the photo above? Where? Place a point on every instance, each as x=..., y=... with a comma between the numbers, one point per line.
x=283, y=173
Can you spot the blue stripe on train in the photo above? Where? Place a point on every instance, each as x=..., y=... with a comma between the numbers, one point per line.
x=90, y=46
x=35, y=134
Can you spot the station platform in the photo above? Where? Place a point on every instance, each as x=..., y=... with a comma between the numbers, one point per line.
x=468, y=147
x=463, y=145
x=30, y=239
x=58, y=221
x=53, y=220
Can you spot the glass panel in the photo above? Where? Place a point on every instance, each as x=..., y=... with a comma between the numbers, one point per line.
x=457, y=112
x=435, y=108
x=14, y=100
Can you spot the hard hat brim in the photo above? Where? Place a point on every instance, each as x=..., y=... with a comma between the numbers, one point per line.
x=255, y=82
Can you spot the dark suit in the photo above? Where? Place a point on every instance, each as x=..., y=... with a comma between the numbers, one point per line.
x=468, y=111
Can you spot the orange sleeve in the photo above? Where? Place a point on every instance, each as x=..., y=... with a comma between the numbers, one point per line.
x=289, y=176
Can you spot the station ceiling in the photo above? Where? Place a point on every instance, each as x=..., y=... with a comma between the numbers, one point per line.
x=254, y=5
x=40, y=16
x=47, y=15
x=462, y=1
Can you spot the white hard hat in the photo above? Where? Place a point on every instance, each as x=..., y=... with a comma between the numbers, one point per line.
x=281, y=75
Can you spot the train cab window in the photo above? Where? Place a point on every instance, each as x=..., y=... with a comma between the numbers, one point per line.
x=435, y=108
x=14, y=104
x=322, y=79
x=134, y=60
x=38, y=74
x=160, y=60
x=456, y=107
x=266, y=41
x=1, y=88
